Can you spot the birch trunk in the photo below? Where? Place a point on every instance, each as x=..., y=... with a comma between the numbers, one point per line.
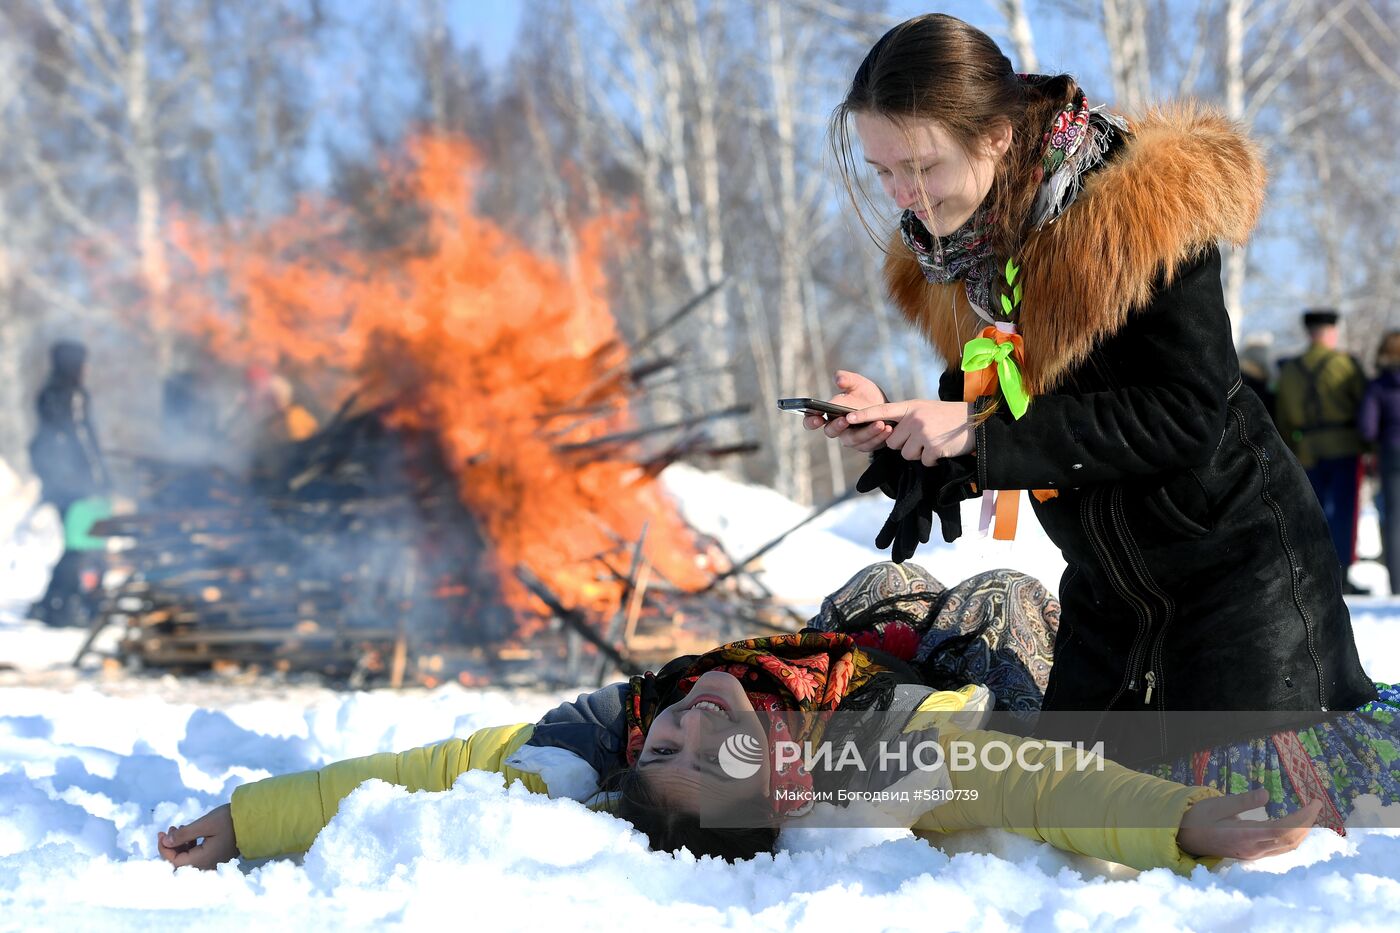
x=796, y=475
x=706, y=130
x=1018, y=26
x=1125, y=31
x=1235, y=256
x=145, y=166
x=14, y=428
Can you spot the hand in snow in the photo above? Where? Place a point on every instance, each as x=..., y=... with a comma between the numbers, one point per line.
x=182, y=845
x=1211, y=827
x=927, y=431
x=856, y=392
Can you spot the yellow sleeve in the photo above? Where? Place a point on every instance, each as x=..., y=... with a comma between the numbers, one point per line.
x=284, y=814
x=1115, y=813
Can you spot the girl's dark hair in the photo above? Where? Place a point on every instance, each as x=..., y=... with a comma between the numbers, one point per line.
x=936, y=67
x=754, y=829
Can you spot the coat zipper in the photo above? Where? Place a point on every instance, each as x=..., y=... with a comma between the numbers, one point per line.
x=1140, y=608
x=1292, y=558
x=1155, y=652
x=1152, y=655
x=1135, y=561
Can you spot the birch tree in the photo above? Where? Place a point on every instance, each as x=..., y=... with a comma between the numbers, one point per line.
x=100, y=77
x=128, y=100
x=1018, y=28
x=784, y=226
x=1125, y=32
x=14, y=426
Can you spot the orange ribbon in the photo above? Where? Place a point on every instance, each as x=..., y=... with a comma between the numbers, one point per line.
x=984, y=382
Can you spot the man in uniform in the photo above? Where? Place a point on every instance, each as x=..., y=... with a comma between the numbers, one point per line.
x=1319, y=396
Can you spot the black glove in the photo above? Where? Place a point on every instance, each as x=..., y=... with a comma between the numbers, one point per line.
x=918, y=492
x=884, y=473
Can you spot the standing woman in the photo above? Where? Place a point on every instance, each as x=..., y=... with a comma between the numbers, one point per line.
x=1380, y=425
x=67, y=458
x=1064, y=263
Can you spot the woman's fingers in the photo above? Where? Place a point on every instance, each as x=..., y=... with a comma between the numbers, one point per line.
x=886, y=411
x=178, y=847
x=196, y=857
x=181, y=838
x=1294, y=827
x=1301, y=819
x=203, y=843
x=1218, y=830
x=865, y=437
x=854, y=434
x=1275, y=840
x=876, y=440
x=1235, y=804
x=861, y=389
x=213, y=850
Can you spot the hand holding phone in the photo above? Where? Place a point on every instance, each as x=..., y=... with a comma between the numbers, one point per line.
x=855, y=393
x=813, y=406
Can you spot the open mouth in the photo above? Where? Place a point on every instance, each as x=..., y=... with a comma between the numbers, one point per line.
x=711, y=704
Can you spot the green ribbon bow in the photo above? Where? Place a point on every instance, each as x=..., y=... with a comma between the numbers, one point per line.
x=982, y=352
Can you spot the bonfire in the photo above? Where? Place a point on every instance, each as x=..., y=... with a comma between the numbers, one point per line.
x=484, y=458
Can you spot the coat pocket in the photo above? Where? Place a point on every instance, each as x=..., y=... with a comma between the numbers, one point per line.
x=1181, y=505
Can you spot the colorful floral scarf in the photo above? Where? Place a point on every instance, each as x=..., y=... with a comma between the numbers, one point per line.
x=803, y=674
x=1075, y=142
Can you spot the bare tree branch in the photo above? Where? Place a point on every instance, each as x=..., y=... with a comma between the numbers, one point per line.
x=1368, y=55
x=1300, y=52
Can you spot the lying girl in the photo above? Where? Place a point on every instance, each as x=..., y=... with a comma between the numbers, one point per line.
x=653, y=750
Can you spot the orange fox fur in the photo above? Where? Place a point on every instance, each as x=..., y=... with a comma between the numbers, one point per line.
x=1185, y=178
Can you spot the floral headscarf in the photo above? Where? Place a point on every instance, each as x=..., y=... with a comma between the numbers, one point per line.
x=803, y=674
x=1075, y=142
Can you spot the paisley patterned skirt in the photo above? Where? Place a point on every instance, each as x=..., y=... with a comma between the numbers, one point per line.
x=998, y=628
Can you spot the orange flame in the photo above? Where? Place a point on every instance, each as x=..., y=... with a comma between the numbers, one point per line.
x=487, y=339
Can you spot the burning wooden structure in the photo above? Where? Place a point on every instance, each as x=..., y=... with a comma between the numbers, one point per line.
x=489, y=495
x=351, y=554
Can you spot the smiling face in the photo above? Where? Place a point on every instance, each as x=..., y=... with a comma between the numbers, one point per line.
x=680, y=758
x=924, y=169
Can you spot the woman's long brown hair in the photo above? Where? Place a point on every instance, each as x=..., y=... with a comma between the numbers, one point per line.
x=936, y=67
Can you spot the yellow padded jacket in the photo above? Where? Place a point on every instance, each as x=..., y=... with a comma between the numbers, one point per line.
x=1114, y=813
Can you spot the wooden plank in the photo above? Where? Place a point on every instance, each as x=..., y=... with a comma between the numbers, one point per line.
x=574, y=620
x=269, y=635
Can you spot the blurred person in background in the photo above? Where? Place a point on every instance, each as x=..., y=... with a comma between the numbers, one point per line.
x=1380, y=425
x=1256, y=369
x=291, y=421
x=1319, y=398
x=265, y=418
x=68, y=460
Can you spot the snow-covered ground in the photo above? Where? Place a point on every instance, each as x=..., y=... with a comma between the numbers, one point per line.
x=93, y=763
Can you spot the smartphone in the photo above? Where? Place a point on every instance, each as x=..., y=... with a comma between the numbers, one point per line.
x=813, y=406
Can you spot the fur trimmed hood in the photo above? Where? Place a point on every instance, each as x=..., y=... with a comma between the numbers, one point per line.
x=1185, y=178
